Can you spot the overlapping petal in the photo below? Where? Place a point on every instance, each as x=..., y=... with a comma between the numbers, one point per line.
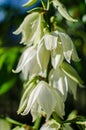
x=43, y=57
x=57, y=56
x=58, y=80
x=69, y=50
x=62, y=42
x=50, y=41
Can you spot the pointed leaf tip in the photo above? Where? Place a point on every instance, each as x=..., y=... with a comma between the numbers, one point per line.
x=30, y=3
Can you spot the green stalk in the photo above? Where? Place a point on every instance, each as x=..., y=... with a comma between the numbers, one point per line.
x=37, y=123
x=13, y=121
x=57, y=118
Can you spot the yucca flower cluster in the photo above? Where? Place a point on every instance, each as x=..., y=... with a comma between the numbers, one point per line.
x=45, y=65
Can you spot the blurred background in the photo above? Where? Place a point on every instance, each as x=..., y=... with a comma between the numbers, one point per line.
x=11, y=15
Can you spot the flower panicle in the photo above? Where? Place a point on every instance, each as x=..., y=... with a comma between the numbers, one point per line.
x=48, y=55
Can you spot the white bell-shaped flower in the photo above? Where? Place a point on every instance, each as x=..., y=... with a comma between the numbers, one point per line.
x=65, y=78
x=30, y=28
x=33, y=62
x=61, y=41
x=28, y=63
x=44, y=98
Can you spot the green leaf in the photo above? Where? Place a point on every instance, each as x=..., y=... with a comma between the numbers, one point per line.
x=62, y=10
x=81, y=120
x=2, y=60
x=71, y=72
x=4, y=125
x=72, y=115
x=65, y=14
x=8, y=57
x=37, y=9
x=30, y=3
x=6, y=86
x=13, y=121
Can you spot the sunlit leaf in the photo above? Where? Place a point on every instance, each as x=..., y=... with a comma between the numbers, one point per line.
x=6, y=86
x=65, y=14
x=81, y=120
x=62, y=10
x=71, y=72
x=30, y=3
x=4, y=125
x=13, y=121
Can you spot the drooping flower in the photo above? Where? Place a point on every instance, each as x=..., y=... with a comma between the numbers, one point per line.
x=55, y=40
x=44, y=98
x=65, y=78
x=28, y=63
x=33, y=62
x=30, y=28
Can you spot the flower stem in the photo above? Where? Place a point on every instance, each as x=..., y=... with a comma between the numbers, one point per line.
x=37, y=123
x=13, y=121
x=57, y=118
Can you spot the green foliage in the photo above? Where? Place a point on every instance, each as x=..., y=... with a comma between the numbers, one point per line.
x=8, y=58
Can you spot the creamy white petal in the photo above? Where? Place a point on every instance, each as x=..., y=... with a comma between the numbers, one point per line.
x=47, y=127
x=31, y=100
x=31, y=69
x=51, y=125
x=46, y=98
x=28, y=63
x=68, y=48
x=57, y=56
x=72, y=87
x=36, y=111
x=30, y=28
x=26, y=57
x=60, y=107
x=50, y=41
x=25, y=96
x=58, y=80
x=43, y=56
